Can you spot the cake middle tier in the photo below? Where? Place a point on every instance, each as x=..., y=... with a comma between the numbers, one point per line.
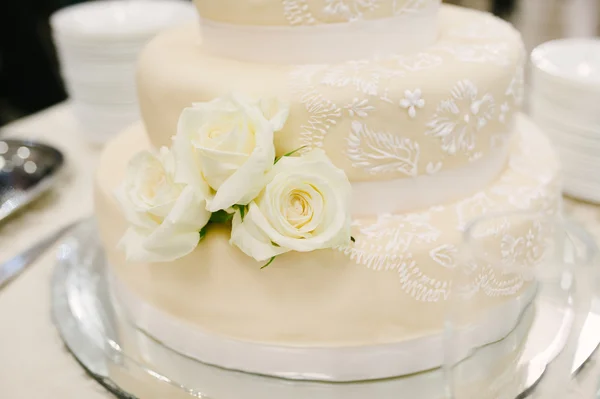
x=389, y=287
x=417, y=122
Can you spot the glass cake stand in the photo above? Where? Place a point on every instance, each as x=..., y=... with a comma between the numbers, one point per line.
x=131, y=364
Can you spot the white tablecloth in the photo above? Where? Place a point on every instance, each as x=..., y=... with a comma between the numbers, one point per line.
x=33, y=360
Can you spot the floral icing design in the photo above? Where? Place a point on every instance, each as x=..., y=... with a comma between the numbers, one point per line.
x=303, y=12
x=459, y=118
x=359, y=108
x=297, y=12
x=349, y=10
x=410, y=6
x=365, y=76
x=382, y=152
x=411, y=101
x=491, y=53
x=516, y=88
x=413, y=247
x=417, y=62
x=337, y=95
x=387, y=245
x=322, y=113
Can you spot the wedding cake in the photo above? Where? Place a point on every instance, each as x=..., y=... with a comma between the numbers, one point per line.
x=294, y=201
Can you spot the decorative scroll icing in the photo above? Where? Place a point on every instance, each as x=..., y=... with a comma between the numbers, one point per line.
x=485, y=28
x=409, y=6
x=303, y=12
x=349, y=10
x=297, y=12
x=410, y=244
x=365, y=76
x=459, y=118
x=309, y=81
x=386, y=245
x=489, y=53
x=516, y=88
x=381, y=152
x=493, y=285
x=322, y=113
x=418, y=62
x=444, y=255
x=518, y=246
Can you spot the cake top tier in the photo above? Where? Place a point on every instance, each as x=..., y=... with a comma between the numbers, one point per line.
x=306, y=12
x=316, y=31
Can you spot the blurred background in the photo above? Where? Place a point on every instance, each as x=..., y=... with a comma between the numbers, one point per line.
x=30, y=81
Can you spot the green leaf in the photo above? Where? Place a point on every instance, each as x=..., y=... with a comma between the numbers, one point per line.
x=203, y=232
x=242, y=209
x=289, y=154
x=269, y=262
x=221, y=217
x=352, y=239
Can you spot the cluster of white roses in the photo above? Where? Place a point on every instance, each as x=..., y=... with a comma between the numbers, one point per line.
x=222, y=167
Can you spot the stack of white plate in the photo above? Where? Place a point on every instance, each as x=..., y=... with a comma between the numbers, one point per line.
x=565, y=102
x=98, y=44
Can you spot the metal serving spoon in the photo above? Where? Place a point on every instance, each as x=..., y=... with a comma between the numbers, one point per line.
x=27, y=170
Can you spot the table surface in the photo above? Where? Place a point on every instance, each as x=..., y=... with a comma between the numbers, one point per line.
x=33, y=359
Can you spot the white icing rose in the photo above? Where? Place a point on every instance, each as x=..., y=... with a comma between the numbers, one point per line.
x=303, y=207
x=165, y=216
x=228, y=142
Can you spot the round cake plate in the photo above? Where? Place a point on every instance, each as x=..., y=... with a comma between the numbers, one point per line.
x=131, y=364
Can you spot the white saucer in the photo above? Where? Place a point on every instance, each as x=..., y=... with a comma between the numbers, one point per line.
x=570, y=61
x=122, y=21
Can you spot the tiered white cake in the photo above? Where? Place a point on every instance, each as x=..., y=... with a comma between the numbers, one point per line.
x=418, y=104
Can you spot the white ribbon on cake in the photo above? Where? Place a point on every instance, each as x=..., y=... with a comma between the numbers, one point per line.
x=412, y=354
x=446, y=186
x=324, y=43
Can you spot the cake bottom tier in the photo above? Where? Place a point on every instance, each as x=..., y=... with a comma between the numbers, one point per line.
x=372, y=310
